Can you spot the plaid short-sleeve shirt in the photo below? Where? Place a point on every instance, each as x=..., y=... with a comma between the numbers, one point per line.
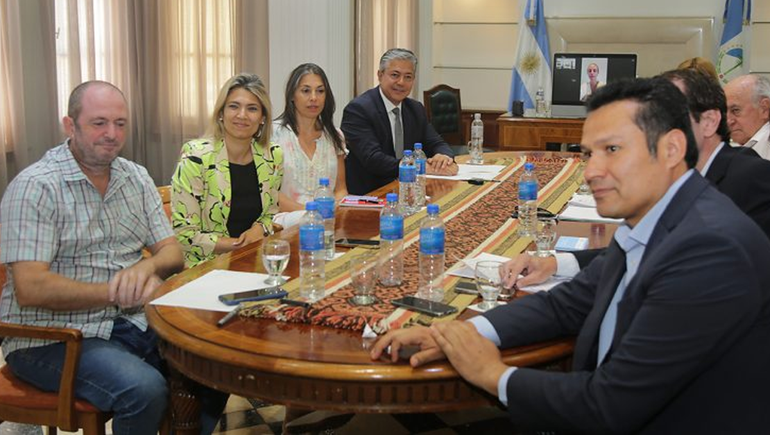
x=52, y=213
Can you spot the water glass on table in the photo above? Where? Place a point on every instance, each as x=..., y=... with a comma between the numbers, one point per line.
x=545, y=237
x=363, y=275
x=584, y=188
x=275, y=258
x=488, y=282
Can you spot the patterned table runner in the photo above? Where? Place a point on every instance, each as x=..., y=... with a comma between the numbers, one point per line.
x=477, y=219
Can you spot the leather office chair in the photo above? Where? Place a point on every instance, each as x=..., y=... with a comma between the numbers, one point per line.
x=442, y=103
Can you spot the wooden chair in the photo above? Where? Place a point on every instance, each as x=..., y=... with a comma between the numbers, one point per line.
x=23, y=403
x=444, y=108
x=165, y=196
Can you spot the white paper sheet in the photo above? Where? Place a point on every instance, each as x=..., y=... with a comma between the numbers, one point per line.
x=544, y=286
x=582, y=201
x=202, y=293
x=467, y=266
x=470, y=172
x=585, y=214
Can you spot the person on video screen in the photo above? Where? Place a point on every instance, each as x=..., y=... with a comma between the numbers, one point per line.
x=593, y=83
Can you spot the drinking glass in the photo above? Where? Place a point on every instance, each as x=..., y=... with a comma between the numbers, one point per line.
x=363, y=274
x=584, y=188
x=546, y=237
x=488, y=282
x=275, y=258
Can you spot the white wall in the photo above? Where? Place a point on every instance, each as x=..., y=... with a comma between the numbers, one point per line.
x=318, y=31
x=474, y=41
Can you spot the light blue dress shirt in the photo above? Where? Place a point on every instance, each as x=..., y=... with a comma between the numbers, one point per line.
x=633, y=241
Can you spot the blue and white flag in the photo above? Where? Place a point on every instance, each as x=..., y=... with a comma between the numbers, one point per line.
x=532, y=66
x=731, y=61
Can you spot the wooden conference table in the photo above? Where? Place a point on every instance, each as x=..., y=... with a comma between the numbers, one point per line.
x=314, y=367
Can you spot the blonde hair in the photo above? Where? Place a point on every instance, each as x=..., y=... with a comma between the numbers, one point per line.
x=702, y=65
x=253, y=84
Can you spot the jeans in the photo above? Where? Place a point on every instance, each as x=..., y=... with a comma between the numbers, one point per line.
x=124, y=375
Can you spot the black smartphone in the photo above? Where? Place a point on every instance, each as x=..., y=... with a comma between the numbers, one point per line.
x=252, y=295
x=432, y=308
x=353, y=243
x=466, y=287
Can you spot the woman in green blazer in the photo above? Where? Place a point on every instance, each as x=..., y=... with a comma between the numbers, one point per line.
x=225, y=187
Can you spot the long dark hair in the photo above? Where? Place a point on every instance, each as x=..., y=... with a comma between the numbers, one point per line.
x=326, y=118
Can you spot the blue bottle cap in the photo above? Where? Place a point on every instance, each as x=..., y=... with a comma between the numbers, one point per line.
x=311, y=206
x=418, y=146
x=323, y=181
x=432, y=208
x=529, y=166
x=407, y=153
x=391, y=197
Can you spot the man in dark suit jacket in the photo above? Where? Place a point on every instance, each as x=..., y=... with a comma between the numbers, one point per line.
x=372, y=134
x=672, y=321
x=739, y=173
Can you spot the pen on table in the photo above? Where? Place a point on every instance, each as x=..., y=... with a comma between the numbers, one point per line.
x=229, y=316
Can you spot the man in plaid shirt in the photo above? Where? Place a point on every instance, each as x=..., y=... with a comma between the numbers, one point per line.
x=73, y=228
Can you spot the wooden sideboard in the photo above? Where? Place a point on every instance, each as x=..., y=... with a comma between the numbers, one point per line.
x=521, y=134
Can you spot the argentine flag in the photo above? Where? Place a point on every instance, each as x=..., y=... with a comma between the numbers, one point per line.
x=735, y=40
x=532, y=66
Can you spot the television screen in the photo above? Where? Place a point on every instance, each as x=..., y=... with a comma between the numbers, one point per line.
x=577, y=75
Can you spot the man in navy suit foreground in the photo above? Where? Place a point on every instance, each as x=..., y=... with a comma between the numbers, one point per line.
x=672, y=322
x=383, y=121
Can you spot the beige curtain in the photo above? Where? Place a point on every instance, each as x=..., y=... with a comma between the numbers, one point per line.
x=12, y=126
x=28, y=116
x=169, y=57
x=381, y=25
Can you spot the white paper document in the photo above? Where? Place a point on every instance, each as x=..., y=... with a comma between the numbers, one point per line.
x=471, y=172
x=545, y=286
x=582, y=201
x=203, y=293
x=467, y=266
x=585, y=214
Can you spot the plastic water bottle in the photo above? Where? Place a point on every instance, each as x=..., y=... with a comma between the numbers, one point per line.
x=325, y=199
x=407, y=184
x=311, y=254
x=477, y=140
x=391, y=242
x=540, y=107
x=420, y=162
x=528, y=202
x=432, y=235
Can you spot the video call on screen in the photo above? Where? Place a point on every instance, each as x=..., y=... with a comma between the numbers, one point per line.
x=568, y=70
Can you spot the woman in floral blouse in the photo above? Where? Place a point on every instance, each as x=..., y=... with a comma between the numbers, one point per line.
x=225, y=187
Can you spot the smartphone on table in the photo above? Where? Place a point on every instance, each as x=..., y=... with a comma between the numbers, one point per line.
x=252, y=295
x=355, y=243
x=436, y=309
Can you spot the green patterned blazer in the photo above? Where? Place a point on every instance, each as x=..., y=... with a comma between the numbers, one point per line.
x=201, y=194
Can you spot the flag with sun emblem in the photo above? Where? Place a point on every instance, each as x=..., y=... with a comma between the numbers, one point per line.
x=731, y=60
x=532, y=65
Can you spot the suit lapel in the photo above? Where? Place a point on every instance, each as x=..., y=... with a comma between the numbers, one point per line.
x=587, y=341
x=718, y=168
x=383, y=119
x=410, y=124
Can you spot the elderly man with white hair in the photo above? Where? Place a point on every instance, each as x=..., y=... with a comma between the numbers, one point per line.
x=748, y=112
